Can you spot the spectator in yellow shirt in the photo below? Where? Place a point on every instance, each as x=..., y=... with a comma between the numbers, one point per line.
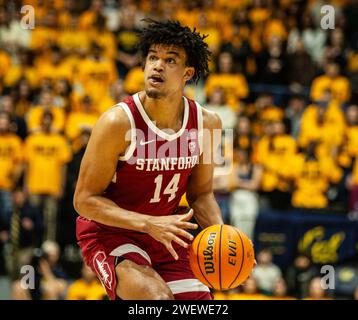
x=117, y=93
x=84, y=119
x=187, y=14
x=352, y=66
x=11, y=167
x=34, y=117
x=275, y=26
x=46, y=154
x=103, y=37
x=234, y=84
x=87, y=287
x=255, y=38
x=64, y=14
x=23, y=69
x=313, y=176
x=262, y=111
x=73, y=40
x=89, y=17
x=259, y=12
x=275, y=152
x=134, y=80
x=95, y=75
x=214, y=36
x=323, y=122
x=333, y=81
x=46, y=32
x=56, y=68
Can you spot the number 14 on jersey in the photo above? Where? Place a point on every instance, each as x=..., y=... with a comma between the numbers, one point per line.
x=170, y=189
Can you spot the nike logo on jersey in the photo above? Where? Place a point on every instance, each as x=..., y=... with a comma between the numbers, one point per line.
x=143, y=143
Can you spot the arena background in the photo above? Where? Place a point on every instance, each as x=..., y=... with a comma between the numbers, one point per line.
x=283, y=76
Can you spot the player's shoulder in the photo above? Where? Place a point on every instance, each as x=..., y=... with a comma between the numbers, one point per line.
x=118, y=115
x=211, y=120
x=114, y=116
x=113, y=122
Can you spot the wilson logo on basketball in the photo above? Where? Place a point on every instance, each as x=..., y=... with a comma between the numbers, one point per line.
x=208, y=254
x=102, y=269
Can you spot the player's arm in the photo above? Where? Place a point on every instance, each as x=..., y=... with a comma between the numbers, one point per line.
x=98, y=166
x=99, y=163
x=200, y=194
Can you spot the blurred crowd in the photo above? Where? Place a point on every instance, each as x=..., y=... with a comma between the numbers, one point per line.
x=301, y=280
x=284, y=85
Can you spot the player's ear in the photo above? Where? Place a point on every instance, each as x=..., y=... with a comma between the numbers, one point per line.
x=189, y=73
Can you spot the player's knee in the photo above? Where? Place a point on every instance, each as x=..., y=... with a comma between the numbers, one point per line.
x=140, y=282
x=163, y=295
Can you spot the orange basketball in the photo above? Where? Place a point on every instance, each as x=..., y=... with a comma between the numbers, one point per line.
x=221, y=257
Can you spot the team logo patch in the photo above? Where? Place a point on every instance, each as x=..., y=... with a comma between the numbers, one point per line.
x=102, y=269
x=192, y=146
x=191, y=135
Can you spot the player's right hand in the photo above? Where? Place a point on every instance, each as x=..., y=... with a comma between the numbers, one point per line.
x=166, y=229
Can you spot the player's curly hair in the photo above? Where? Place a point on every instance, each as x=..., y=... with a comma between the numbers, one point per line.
x=172, y=33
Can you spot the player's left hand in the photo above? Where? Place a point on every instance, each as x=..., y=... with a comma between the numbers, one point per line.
x=166, y=229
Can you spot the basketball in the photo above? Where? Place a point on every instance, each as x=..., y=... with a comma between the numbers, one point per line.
x=221, y=257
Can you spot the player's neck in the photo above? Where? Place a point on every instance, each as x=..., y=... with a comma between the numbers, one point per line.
x=167, y=113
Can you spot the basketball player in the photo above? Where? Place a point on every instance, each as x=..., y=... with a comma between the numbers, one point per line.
x=130, y=231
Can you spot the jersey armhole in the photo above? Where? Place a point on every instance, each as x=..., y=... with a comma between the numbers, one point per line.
x=129, y=152
x=200, y=126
